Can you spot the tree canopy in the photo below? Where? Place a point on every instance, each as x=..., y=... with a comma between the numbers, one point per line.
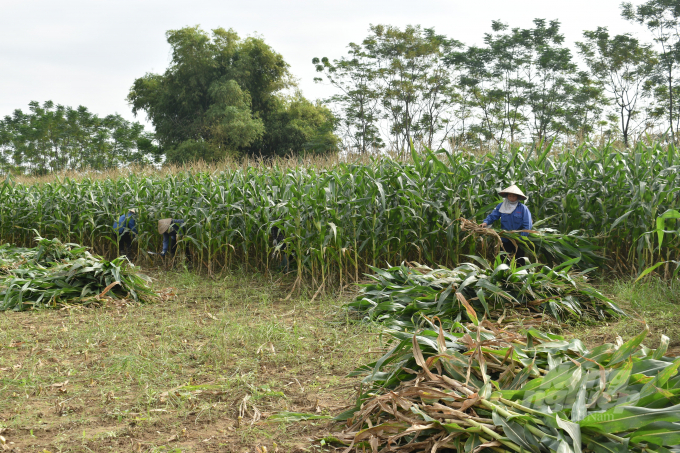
x=519, y=85
x=52, y=137
x=224, y=96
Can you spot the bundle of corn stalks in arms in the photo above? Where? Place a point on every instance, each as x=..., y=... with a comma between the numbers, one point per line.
x=484, y=389
x=541, y=243
x=402, y=295
x=54, y=273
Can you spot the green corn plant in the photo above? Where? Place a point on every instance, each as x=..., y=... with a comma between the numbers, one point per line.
x=345, y=217
x=660, y=232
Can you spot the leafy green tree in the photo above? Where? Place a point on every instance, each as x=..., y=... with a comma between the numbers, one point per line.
x=550, y=76
x=479, y=84
x=586, y=104
x=201, y=99
x=300, y=126
x=624, y=67
x=509, y=61
x=220, y=96
x=412, y=81
x=520, y=82
x=394, y=80
x=52, y=137
x=662, y=18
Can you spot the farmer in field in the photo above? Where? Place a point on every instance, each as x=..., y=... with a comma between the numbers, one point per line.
x=170, y=228
x=126, y=228
x=514, y=216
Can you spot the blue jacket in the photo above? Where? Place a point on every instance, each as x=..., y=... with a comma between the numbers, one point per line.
x=125, y=221
x=520, y=219
x=175, y=226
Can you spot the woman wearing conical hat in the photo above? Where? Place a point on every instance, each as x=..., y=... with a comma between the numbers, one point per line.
x=169, y=229
x=513, y=215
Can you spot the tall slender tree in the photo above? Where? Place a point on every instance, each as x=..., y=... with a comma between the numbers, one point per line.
x=549, y=79
x=662, y=18
x=624, y=67
x=358, y=100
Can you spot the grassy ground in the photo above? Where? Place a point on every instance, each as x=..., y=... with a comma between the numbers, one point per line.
x=203, y=371
x=654, y=302
x=176, y=376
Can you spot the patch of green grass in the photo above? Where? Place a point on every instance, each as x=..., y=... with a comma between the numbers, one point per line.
x=652, y=301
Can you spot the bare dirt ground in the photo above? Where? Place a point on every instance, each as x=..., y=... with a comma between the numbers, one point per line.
x=204, y=370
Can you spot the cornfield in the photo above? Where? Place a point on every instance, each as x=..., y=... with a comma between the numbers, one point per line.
x=341, y=219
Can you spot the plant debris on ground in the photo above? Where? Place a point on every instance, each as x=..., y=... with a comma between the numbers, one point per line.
x=400, y=296
x=481, y=388
x=53, y=273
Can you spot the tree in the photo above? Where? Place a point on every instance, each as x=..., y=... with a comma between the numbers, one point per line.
x=220, y=96
x=479, y=84
x=395, y=78
x=299, y=126
x=519, y=82
x=200, y=99
x=550, y=77
x=585, y=106
x=662, y=18
x=53, y=137
x=508, y=62
x=358, y=100
x=624, y=67
x=413, y=83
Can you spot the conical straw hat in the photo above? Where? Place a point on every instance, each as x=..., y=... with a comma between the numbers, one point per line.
x=163, y=225
x=513, y=189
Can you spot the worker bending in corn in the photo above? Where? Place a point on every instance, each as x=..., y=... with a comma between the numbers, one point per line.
x=513, y=215
x=170, y=228
x=126, y=229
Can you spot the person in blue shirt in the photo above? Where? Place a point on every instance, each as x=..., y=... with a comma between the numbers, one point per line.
x=513, y=215
x=170, y=228
x=126, y=229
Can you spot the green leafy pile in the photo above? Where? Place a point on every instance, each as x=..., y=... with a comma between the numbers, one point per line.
x=53, y=273
x=482, y=388
x=402, y=295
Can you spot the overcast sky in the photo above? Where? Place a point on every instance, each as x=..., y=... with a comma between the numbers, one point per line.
x=89, y=52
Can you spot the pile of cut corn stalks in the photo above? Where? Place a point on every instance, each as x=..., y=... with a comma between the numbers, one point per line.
x=53, y=274
x=481, y=388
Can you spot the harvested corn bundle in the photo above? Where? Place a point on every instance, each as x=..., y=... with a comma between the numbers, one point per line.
x=54, y=273
x=541, y=243
x=402, y=295
x=483, y=388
